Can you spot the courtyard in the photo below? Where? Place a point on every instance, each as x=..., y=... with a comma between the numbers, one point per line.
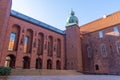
x=65, y=77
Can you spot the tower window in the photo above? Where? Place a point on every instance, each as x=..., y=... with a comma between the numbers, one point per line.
x=100, y=34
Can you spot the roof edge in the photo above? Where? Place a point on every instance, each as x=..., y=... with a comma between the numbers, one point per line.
x=36, y=22
x=99, y=19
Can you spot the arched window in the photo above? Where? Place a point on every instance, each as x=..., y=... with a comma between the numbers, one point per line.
x=28, y=41
x=58, y=48
x=40, y=44
x=50, y=46
x=14, y=38
x=58, y=65
x=38, y=63
x=26, y=62
x=103, y=50
x=49, y=64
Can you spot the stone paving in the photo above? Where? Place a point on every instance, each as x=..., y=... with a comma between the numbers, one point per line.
x=68, y=77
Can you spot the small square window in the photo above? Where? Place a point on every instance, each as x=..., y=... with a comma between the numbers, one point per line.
x=116, y=31
x=100, y=34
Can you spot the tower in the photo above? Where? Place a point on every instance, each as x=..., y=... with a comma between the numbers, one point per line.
x=5, y=8
x=73, y=44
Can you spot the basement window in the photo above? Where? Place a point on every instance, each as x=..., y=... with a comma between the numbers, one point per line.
x=96, y=67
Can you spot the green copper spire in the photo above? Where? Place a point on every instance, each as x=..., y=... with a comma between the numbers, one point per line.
x=72, y=19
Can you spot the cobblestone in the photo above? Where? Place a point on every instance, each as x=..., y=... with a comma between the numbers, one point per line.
x=70, y=77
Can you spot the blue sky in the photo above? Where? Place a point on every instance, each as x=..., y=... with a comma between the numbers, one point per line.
x=55, y=12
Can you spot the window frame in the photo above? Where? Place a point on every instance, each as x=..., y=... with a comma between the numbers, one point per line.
x=10, y=42
x=104, y=54
x=116, y=30
x=26, y=43
x=100, y=34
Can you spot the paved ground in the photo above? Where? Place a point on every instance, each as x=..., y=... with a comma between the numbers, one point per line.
x=70, y=77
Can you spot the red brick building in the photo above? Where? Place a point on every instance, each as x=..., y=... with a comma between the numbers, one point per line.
x=100, y=45
x=27, y=43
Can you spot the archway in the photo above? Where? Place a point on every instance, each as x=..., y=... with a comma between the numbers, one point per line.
x=49, y=64
x=10, y=61
x=26, y=62
x=38, y=63
x=58, y=65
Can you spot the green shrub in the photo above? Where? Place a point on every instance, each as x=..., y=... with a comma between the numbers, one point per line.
x=4, y=71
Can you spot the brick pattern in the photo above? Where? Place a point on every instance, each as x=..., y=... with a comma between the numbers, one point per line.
x=74, y=45
x=73, y=48
x=5, y=7
x=108, y=64
x=19, y=54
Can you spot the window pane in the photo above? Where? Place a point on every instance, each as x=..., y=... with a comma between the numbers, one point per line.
x=12, y=41
x=100, y=34
x=26, y=43
x=116, y=30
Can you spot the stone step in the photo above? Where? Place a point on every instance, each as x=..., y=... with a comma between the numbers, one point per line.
x=43, y=72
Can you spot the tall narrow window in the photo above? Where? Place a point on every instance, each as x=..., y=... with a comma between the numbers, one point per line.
x=40, y=44
x=103, y=50
x=26, y=43
x=58, y=48
x=100, y=34
x=118, y=46
x=38, y=51
x=49, y=49
x=12, y=41
x=89, y=51
x=116, y=30
x=14, y=38
x=34, y=44
x=50, y=46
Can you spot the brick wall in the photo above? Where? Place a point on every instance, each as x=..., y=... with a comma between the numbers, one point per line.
x=5, y=7
x=19, y=54
x=73, y=48
x=109, y=63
